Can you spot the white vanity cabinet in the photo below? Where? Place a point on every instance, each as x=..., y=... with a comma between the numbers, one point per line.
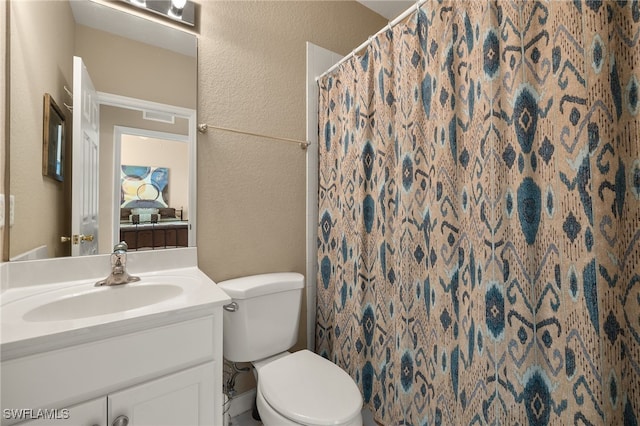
x=160, y=376
x=87, y=355
x=180, y=399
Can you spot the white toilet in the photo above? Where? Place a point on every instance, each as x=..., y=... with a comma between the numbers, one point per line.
x=299, y=388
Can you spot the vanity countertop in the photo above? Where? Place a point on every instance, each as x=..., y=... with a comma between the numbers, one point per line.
x=25, y=328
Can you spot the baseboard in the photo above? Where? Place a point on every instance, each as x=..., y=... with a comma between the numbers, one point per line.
x=241, y=403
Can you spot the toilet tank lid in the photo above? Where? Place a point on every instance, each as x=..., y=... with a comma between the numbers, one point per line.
x=259, y=285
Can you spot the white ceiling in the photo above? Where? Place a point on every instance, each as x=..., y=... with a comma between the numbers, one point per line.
x=389, y=9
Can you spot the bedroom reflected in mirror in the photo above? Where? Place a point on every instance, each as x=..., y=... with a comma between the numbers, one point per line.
x=153, y=187
x=53, y=142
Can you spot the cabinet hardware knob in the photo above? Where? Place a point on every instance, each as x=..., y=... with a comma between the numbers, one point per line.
x=121, y=421
x=65, y=239
x=231, y=307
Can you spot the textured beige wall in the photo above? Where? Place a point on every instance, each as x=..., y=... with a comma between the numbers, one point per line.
x=42, y=41
x=252, y=76
x=251, y=191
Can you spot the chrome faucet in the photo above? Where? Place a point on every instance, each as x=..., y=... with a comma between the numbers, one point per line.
x=119, y=274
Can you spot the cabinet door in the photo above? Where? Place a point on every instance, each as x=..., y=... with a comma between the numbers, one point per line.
x=90, y=413
x=180, y=399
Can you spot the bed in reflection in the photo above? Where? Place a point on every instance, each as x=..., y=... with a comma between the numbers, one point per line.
x=153, y=228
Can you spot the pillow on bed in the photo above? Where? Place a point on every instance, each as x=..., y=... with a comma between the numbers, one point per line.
x=144, y=218
x=144, y=211
x=125, y=213
x=167, y=213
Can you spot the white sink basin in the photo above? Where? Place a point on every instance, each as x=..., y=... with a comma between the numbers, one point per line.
x=52, y=304
x=102, y=300
x=63, y=307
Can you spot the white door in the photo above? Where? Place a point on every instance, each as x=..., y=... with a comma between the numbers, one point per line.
x=180, y=399
x=84, y=199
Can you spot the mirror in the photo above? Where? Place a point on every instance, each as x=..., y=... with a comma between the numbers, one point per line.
x=145, y=73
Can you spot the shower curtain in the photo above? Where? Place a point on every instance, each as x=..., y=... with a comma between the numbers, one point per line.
x=479, y=215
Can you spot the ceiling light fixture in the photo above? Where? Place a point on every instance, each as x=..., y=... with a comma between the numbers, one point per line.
x=182, y=11
x=177, y=6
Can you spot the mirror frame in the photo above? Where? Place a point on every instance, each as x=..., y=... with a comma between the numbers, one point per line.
x=141, y=105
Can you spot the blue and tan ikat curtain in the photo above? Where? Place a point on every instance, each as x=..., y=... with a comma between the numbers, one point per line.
x=479, y=215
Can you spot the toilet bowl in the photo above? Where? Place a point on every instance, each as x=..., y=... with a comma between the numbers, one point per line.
x=300, y=388
x=303, y=388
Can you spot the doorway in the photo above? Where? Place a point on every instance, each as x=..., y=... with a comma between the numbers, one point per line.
x=156, y=144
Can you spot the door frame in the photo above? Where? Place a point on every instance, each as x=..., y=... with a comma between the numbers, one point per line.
x=143, y=106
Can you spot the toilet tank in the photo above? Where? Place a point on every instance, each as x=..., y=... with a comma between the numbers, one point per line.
x=266, y=320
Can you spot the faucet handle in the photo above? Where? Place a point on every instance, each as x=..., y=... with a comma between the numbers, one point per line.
x=121, y=247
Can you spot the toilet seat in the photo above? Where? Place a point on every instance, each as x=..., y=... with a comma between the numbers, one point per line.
x=308, y=389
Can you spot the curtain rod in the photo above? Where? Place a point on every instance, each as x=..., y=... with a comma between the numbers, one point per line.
x=203, y=128
x=390, y=25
